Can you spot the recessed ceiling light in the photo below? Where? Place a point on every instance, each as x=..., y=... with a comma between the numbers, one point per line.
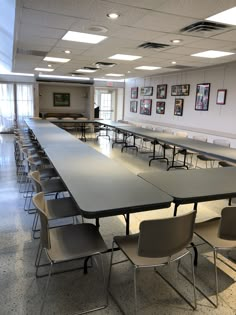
x=67, y=52
x=44, y=69
x=85, y=70
x=83, y=37
x=113, y=15
x=176, y=41
x=125, y=57
x=115, y=74
x=173, y=62
x=55, y=59
x=49, y=66
x=63, y=77
x=147, y=68
x=227, y=17
x=128, y=71
x=212, y=54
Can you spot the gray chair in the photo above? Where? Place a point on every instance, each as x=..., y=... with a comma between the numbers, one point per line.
x=159, y=243
x=220, y=234
x=67, y=243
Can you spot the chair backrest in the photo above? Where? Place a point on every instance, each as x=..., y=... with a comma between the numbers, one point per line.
x=35, y=178
x=227, y=227
x=181, y=134
x=200, y=138
x=34, y=162
x=165, y=237
x=169, y=131
x=39, y=202
x=222, y=142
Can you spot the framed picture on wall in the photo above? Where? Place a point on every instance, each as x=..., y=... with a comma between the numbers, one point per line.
x=146, y=107
x=160, y=108
x=133, y=106
x=202, y=96
x=147, y=91
x=179, y=106
x=221, y=97
x=180, y=90
x=134, y=92
x=161, y=91
x=61, y=99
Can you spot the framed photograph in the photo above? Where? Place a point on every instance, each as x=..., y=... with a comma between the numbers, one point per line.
x=202, y=96
x=147, y=91
x=161, y=91
x=134, y=92
x=133, y=106
x=61, y=99
x=180, y=90
x=146, y=107
x=160, y=108
x=221, y=97
x=179, y=106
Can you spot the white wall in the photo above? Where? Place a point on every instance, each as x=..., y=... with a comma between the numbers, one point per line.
x=218, y=120
x=79, y=98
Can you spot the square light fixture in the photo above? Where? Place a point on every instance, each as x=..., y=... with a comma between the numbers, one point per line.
x=147, y=68
x=85, y=70
x=115, y=74
x=83, y=37
x=44, y=69
x=125, y=57
x=227, y=17
x=55, y=59
x=212, y=54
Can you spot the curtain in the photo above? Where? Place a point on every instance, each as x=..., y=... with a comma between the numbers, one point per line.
x=24, y=102
x=7, y=112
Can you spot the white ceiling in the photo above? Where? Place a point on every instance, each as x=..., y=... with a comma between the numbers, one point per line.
x=40, y=25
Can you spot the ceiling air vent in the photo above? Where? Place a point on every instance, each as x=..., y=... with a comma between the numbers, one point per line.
x=204, y=26
x=101, y=64
x=31, y=52
x=149, y=45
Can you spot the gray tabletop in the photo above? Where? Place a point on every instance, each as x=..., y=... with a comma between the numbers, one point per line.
x=100, y=186
x=192, y=186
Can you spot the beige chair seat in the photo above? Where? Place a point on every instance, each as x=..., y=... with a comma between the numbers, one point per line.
x=129, y=245
x=208, y=231
x=71, y=242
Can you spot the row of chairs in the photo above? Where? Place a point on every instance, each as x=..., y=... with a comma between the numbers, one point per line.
x=159, y=242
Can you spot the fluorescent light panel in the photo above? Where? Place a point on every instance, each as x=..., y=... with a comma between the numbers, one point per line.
x=125, y=57
x=55, y=59
x=44, y=69
x=115, y=74
x=227, y=17
x=212, y=54
x=83, y=37
x=108, y=80
x=20, y=74
x=63, y=77
x=86, y=70
x=147, y=68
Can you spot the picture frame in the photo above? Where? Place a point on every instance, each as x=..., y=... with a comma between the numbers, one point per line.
x=134, y=92
x=133, y=106
x=146, y=107
x=179, y=106
x=180, y=90
x=202, y=96
x=221, y=96
x=161, y=91
x=61, y=99
x=160, y=108
x=147, y=91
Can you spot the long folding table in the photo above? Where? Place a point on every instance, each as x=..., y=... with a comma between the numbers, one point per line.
x=100, y=186
x=194, y=186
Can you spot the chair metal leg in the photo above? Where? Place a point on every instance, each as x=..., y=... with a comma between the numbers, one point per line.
x=216, y=276
x=135, y=291
x=46, y=288
x=194, y=283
